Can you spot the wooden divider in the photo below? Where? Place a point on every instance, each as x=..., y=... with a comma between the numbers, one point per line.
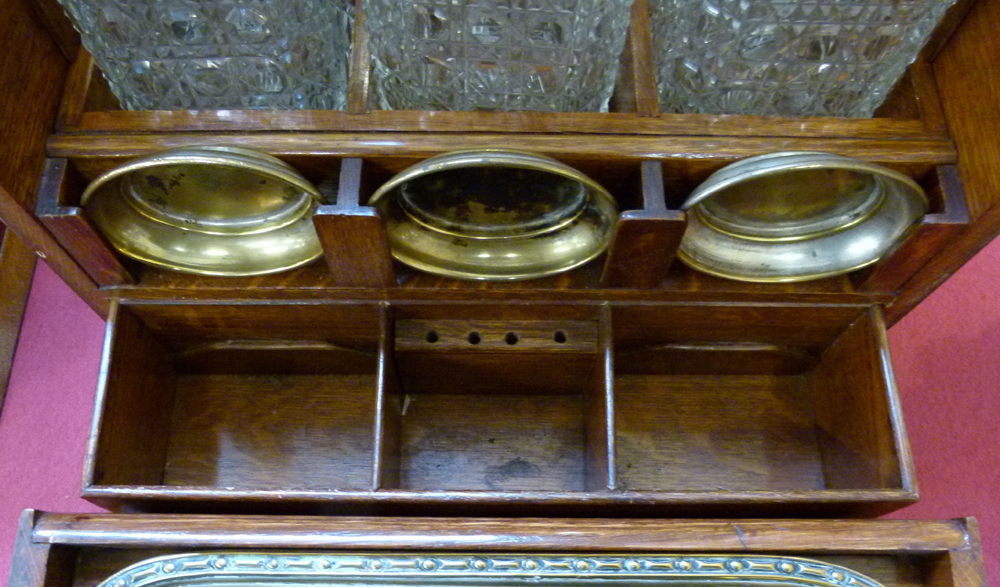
x=928, y=237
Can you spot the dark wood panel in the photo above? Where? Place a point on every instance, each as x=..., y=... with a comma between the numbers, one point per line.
x=349, y=325
x=599, y=411
x=495, y=357
x=30, y=86
x=273, y=358
x=644, y=241
x=272, y=431
x=932, y=234
x=714, y=359
x=71, y=228
x=135, y=397
x=727, y=433
x=389, y=408
x=861, y=432
x=798, y=326
x=355, y=243
x=17, y=265
x=475, y=442
x=968, y=81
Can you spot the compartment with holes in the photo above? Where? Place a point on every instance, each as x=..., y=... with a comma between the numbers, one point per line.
x=225, y=400
x=757, y=400
x=328, y=406
x=495, y=399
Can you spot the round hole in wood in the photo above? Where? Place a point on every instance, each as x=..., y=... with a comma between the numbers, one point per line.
x=511, y=338
x=474, y=338
x=432, y=336
x=559, y=336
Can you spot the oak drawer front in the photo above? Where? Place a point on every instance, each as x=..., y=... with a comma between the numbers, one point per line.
x=85, y=550
x=565, y=409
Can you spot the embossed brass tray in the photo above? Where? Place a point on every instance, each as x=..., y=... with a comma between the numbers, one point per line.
x=260, y=568
x=797, y=216
x=207, y=210
x=495, y=215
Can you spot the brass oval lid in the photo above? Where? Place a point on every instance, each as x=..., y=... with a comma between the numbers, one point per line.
x=207, y=210
x=796, y=216
x=492, y=202
x=495, y=214
x=214, y=198
x=785, y=205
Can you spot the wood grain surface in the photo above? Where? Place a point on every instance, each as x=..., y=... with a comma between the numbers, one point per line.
x=526, y=534
x=17, y=265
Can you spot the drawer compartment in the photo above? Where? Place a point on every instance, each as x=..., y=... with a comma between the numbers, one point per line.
x=419, y=407
x=756, y=407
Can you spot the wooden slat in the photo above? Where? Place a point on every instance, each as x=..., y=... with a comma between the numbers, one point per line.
x=46, y=247
x=636, y=90
x=645, y=241
x=526, y=534
x=17, y=265
x=71, y=228
x=123, y=121
x=389, y=404
x=930, y=236
x=420, y=145
x=862, y=435
x=599, y=411
x=359, y=85
x=355, y=243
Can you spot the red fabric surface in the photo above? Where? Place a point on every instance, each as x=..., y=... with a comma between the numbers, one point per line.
x=946, y=355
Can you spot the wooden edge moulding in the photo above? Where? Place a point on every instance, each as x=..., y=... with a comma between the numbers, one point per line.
x=334, y=406
x=53, y=550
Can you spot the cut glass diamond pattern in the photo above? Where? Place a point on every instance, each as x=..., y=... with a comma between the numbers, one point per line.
x=215, y=54
x=786, y=57
x=496, y=55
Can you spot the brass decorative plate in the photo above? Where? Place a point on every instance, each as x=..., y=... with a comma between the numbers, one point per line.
x=797, y=216
x=207, y=210
x=253, y=569
x=495, y=215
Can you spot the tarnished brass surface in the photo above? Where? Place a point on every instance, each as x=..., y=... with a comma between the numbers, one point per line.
x=495, y=215
x=253, y=569
x=797, y=216
x=207, y=210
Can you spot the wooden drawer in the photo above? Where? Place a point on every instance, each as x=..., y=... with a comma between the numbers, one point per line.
x=686, y=409
x=56, y=550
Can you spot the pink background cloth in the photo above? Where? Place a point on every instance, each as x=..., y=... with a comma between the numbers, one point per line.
x=946, y=355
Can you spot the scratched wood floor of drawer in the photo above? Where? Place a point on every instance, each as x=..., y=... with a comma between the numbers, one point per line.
x=752, y=432
x=287, y=431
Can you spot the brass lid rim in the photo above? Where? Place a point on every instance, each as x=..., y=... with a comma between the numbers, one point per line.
x=872, y=210
x=758, y=261
x=476, y=158
x=793, y=160
x=162, y=159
